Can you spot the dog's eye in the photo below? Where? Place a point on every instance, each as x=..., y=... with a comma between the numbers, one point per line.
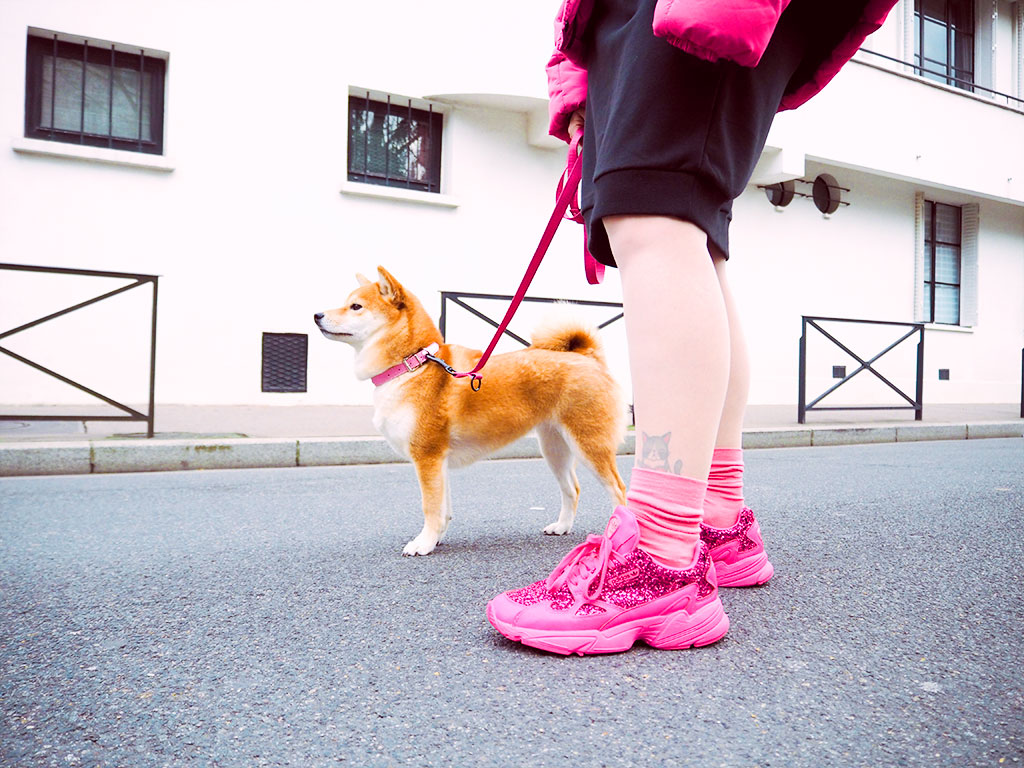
x=356, y=307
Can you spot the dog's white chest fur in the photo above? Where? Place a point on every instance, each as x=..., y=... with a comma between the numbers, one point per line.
x=394, y=418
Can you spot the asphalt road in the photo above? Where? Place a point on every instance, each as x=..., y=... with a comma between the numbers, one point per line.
x=266, y=618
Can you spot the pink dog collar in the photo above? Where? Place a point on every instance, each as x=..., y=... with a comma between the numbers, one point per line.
x=408, y=365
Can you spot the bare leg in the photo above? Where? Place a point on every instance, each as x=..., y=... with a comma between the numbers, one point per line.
x=730, y=429
x=678, y=335
x=723, y=501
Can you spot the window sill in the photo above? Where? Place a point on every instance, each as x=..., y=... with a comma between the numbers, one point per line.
x=92, y=154
x=397, y=193
x=949, y=328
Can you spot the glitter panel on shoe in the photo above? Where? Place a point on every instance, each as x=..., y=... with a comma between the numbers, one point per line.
x=538, y=592
x=713, y=537
x=640, y=580
x=738, y=552
x=629, y=583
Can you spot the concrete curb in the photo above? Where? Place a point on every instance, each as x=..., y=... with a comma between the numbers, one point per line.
x=167, y=455
x=110, y=456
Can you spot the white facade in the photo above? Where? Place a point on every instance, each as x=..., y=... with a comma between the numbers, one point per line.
x=251, y=223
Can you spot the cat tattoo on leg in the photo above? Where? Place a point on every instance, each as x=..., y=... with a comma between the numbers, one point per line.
x=654, y=454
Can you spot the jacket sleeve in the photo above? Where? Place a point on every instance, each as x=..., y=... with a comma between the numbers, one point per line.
x=736, y=30
x=567, y=92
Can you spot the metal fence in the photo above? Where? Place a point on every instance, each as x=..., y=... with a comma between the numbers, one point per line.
x=129, y=413
x=916, y=403
x=458, y=299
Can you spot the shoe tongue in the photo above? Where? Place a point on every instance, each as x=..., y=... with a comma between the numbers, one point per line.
x=623, y=530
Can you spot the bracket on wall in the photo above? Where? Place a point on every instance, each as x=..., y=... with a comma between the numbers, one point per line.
x=825, y=192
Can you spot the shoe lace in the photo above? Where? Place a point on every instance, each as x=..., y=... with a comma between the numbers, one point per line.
x=584, y=569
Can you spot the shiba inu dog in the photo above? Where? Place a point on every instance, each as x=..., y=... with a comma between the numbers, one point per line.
x=559, y=386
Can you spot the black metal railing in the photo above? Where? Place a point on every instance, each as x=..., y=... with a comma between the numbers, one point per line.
x=130, y=414
x=915, y=404
x=963, y=84
x=457, y=299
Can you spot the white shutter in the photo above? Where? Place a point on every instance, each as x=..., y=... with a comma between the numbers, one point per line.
x=969, y=265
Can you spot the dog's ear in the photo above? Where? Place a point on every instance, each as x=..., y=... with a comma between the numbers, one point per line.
x=362, y=279
x=390, y=288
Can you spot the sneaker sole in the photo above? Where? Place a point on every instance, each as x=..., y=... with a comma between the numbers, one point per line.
x=675, y=631
x=749, y=572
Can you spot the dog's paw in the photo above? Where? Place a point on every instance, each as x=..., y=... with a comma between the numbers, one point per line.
x=421, y=545
x=558, y=528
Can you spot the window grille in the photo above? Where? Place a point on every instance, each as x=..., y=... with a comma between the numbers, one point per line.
x=284, y=362
x=98, y=96
x=942, y=262
x=393, y=144
x=944, y=41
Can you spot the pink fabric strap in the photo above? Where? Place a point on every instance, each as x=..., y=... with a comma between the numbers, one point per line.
x=566, y=200
x=408, y=365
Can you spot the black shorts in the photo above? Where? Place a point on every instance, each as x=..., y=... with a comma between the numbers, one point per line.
x=671, y=134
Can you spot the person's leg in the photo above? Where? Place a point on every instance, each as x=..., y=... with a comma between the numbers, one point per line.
x=724, y=500
x=678, y=337
x=729, y=528
x=730, y=427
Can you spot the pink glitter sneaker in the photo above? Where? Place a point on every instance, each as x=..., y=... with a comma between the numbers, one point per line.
x=607, y=593
x=738, y=552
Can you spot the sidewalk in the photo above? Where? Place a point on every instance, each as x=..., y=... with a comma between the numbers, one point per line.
x=226, y=437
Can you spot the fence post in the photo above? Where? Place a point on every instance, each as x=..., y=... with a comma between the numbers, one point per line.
x=801, y=401
x=152, y=367
x=443, y=320
x=919, y=396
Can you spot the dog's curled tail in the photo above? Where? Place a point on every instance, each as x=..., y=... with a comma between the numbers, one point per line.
x=560, y=331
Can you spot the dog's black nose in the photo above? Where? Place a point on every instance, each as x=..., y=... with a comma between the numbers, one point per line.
x=318, y=317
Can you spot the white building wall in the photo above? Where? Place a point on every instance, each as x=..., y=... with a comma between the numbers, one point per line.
x=251, y=232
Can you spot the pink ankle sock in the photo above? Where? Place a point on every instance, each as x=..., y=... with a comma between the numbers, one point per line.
x=724, y=500
x=668, y=508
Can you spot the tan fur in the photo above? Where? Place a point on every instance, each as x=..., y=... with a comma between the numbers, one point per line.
x=560, y=386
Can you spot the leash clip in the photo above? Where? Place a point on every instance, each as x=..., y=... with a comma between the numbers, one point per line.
x=442, y=363
x=475, y=382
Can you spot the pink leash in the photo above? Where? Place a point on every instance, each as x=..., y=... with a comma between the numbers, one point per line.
x=566, y=200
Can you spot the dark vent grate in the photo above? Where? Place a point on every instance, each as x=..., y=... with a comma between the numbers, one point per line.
x=284, y=362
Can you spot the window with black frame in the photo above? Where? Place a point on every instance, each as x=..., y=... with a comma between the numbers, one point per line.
x=100, y=96
x=394, y=144
x=942, y=267
x=944, y=41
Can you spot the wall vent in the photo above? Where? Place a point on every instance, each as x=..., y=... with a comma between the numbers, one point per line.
x=284, y=362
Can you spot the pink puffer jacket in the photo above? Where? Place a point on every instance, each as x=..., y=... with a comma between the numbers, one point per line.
x=735, y=30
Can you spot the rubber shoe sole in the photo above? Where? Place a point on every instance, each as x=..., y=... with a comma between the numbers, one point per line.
x=674, y=631
x=749, y=572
